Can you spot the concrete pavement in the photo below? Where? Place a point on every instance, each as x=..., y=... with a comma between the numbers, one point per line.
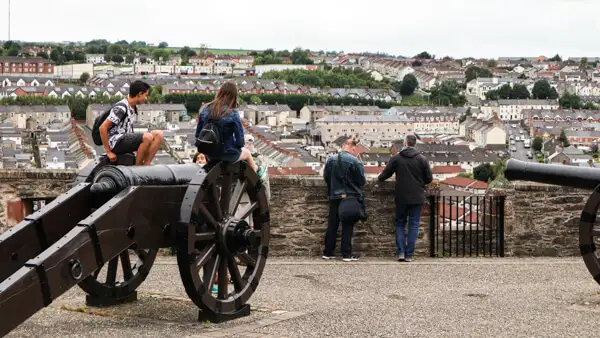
x=499, y=297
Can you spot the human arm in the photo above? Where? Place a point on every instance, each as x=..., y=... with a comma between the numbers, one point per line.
x=200, y=124
x=427, y=174
x=358, y=171
x=238, y=131
x=388, y=171
x=326, y=171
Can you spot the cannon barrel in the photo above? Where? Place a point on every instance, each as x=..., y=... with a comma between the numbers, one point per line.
x=557, y=174
x=116, y=178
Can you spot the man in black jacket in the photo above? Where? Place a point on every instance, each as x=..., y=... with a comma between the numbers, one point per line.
x=412, y=174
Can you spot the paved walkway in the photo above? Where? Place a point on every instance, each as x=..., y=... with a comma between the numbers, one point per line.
x=502, y=297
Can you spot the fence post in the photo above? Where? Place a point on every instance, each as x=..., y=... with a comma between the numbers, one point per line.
x=432, y=217
x=501, y=226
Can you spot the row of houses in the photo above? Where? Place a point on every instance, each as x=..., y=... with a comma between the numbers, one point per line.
x=281, y=87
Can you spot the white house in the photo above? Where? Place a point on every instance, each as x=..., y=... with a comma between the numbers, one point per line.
x=55, y=159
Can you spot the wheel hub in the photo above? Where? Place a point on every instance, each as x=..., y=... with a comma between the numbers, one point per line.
x=238, y=236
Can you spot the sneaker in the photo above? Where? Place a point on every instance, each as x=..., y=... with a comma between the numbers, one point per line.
x=408, y=259
x=327, y=257
x=352, y=258
x=400, y=257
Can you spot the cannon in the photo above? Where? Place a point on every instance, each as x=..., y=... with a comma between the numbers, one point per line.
x=104, y=234
x=574, y=177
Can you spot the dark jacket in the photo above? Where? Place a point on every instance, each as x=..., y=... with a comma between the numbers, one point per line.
x=231, y=130
x=412, y=174
x=339, y=167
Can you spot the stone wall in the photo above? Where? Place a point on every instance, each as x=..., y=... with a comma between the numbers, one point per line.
x=543, y=220
x=540, y=220
x=17, y=185
x=299, y=210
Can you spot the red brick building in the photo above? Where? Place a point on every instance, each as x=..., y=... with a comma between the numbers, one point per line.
x=19, y=65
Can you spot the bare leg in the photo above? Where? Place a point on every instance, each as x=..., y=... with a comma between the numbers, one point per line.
x=247, y=156
x=142, y=151
x=156, y=141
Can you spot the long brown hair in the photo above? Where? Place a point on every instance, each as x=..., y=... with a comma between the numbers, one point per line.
x=226, y=96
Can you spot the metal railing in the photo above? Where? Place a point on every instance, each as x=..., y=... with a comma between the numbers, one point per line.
x=461, y=226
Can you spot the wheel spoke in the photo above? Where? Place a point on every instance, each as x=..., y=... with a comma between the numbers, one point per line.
x=142, y=254
x=238, y=192
x=226, y=191
x=205, y=236
x=126, y=264
x=246, y=258
x=223, y=280
x=207, y=215
x=204, y=257
x=210, y=272
x=244, y=212
x=214, y=194
x=236, y=277
x=111, y=274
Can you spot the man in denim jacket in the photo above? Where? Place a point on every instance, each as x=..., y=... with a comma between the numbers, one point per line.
x=344, y=175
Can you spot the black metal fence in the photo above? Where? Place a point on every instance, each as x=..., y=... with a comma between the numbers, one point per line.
x=461, y=226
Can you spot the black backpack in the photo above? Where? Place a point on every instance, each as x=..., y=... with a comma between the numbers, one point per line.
x=209, y=141
x=98, y=122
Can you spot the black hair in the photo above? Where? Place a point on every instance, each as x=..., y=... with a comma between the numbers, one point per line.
x=138, y=87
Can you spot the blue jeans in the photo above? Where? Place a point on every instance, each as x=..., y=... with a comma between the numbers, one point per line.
x=406, y=245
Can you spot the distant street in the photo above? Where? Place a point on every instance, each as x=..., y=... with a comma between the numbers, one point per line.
x=521, y=153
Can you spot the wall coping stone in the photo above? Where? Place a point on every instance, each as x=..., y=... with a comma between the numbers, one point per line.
x=7, y=175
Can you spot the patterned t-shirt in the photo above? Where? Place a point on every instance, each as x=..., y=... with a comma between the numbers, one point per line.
x=122, y=120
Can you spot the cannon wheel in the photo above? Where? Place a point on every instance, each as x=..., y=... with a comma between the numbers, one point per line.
x=214, y=241
x=588, y=234
x=116, y=289
x=112, y=290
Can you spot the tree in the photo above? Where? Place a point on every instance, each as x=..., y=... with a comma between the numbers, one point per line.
x=492, y=63
x=555, y=58
x=409, y=85
x=519, y=91
x=417, y=63
x=161, y=54
x=537, y=143
x=83, y=79
x=423, y=55
x=163, y=45
x=255, y=99
x=483, y=172
x=570, y=101
x=79, y=56
x=542, y=90
x=563, y=139
x=12, y=51
x=300, y=57
x=43, y=55
x=474, y=72
x=117, y=59
x=448, y=93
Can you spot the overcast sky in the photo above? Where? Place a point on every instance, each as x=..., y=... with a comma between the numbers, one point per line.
x=458, y=28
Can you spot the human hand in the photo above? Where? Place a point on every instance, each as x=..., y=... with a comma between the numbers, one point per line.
x=112, y=157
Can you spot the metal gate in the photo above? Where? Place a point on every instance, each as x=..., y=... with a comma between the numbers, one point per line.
x=466, y=226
